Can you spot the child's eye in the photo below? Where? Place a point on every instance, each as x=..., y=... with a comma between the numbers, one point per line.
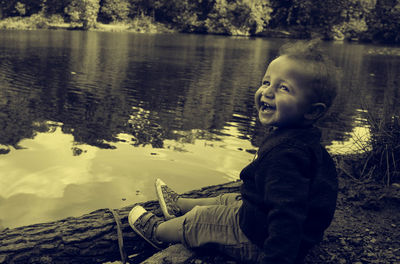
x=284, y=88
x=267, y=83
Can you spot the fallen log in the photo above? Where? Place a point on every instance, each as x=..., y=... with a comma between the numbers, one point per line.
x=176, y=254
x=91, y=238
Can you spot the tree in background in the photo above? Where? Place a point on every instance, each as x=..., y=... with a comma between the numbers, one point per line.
x=20, y=8
x=54, y=7
x=31, y=6
x=141, y=7
x=9, y=8
x=279, y=14
x=182, y=14
x=384, y=21
x=260, y=15
x=83, y=12
x=114, y=10
x=5, y=7
x=316, y=16
x=242, y=16
x=307, y=16
x=228, y=17
x=354, y=24
x=373, y=20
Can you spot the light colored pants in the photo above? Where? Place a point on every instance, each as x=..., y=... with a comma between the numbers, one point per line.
x=217, y=226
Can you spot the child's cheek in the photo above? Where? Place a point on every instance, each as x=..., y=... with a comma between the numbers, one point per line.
x=257, y=97
x=288, y=107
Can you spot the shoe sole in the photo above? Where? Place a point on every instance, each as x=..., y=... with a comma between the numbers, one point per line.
x=158, y=184
x=134, y=214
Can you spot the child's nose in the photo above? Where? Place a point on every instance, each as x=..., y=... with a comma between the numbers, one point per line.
x=268, y=92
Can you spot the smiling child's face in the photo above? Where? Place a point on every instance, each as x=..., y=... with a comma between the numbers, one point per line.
x=284, y=96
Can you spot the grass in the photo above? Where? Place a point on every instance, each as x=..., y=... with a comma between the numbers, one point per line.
x=383, y=161
x=378, y=158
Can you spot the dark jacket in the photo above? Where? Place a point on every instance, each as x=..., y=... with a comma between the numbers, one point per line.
x=289, y=195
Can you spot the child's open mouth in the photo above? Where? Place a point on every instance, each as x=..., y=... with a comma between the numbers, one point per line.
x=265, y=107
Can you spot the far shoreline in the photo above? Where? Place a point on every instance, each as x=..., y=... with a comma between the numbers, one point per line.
x=142, y=25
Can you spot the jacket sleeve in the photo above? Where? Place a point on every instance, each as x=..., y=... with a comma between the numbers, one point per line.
x=283, y=180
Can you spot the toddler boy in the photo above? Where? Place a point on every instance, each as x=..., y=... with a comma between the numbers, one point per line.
x=288, y=193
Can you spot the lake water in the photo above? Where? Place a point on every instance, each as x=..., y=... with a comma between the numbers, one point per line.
x=88, y=120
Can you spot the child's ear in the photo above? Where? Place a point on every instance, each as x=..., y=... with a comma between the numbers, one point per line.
x=315, y=112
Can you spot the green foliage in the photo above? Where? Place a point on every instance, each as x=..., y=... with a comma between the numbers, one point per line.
x=114, y=10
x=10, y=8
x=228, y=17
x=146, y=24
x=316, y=16
x=182, y=14
x=34, y=21
x=20, y=7
x=83, y=12
x=380, y=161
x=31, y=6
x=280, y=12
x=384, y=22
x=261, y=15
x=354, y=20
x=55, y=19
x=6, y=7
x=238, y=17
x=213, y=16
x=141, y=7
x=375, y=20
x=53, y=7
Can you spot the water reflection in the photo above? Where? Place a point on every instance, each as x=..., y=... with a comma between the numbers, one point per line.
x=355, y=141
x=45, y=182
x=93, y=83
x=89, y=118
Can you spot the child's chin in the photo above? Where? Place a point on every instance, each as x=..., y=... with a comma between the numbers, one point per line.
x=265, y=121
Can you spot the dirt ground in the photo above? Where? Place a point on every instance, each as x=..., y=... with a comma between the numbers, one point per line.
x=366, y=226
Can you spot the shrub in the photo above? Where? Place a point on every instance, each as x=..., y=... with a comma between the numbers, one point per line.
x=83, y=12
x=146, y=24
x=114, y=10
x=381, y=159
x=55, y=19
x=382, y=162
x=384, y=22
x=52, y=7
x=238, y=17
x=33, y=22
x=354, y=20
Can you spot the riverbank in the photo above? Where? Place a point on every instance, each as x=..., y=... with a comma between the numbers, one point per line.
x=141, y=24
x=354, y=20
x=37, y=22
x=138, y=25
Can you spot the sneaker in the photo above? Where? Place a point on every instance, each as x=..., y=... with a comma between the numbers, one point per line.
x=167, y=199
x=144, y=223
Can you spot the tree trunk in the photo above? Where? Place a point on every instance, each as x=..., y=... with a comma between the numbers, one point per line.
x=91, y=238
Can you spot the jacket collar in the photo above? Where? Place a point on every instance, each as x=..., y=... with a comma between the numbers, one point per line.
x=303, y=137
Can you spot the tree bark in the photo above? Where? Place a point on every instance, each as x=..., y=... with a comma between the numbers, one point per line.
x=91, y=238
